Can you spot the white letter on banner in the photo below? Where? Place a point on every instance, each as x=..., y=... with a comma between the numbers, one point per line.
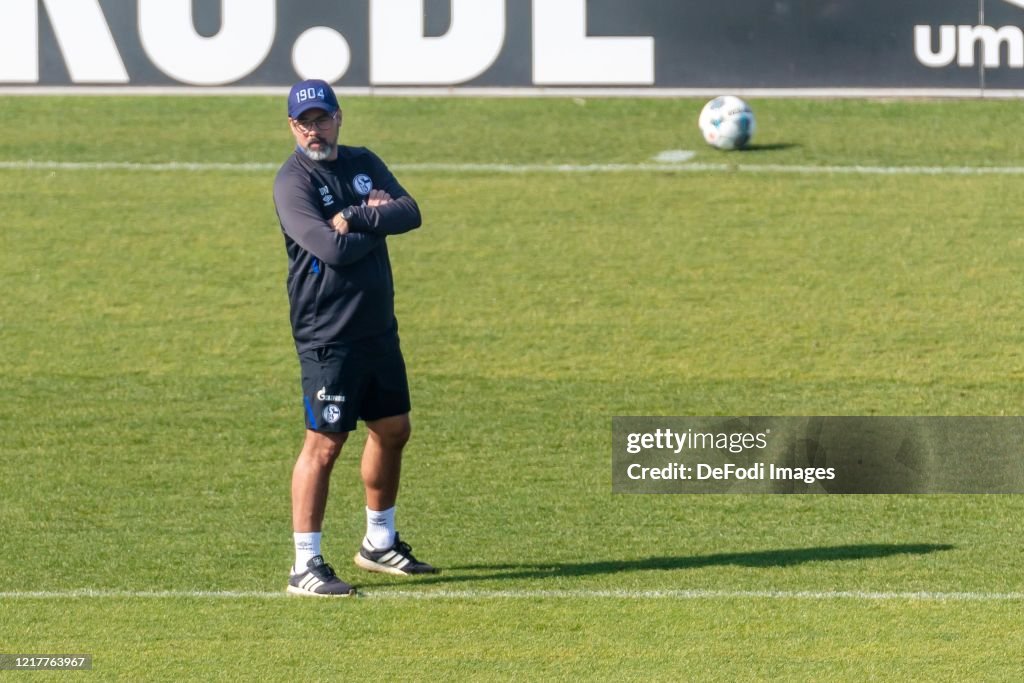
x=19, y=41
x=991, y=39
x=82, y=34
x=401, y=55
x=169, y=37
x=563, y=54
x=923, y=46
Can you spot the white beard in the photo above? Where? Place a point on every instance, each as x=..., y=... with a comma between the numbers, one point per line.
x=316, y=155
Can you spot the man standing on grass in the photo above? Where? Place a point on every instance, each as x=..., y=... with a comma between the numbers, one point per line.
x=337, y=205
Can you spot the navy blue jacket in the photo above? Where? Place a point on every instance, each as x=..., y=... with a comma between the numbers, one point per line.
x=340, y=287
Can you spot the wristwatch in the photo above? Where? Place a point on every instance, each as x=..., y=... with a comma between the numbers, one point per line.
x=347, y=213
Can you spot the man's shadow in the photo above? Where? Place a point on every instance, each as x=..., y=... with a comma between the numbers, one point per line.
x=755, y=559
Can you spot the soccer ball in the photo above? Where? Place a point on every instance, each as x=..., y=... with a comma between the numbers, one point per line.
x=727, y=122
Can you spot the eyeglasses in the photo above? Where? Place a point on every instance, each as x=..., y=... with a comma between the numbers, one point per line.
x=321, y=124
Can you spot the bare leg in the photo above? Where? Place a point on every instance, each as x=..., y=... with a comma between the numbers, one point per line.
x=381, y=466
x=311, y=478
x=381, y=470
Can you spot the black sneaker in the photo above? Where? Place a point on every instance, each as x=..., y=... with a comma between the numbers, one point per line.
x=319, y=581
x=397, y=560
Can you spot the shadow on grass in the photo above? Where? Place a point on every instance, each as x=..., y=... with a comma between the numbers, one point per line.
x=757, y=559
x=770, y=147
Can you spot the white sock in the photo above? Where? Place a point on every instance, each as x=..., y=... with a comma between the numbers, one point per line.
x=307, y=546
x=380, y=528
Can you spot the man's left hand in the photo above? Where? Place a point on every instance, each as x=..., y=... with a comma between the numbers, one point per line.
x=339, y=224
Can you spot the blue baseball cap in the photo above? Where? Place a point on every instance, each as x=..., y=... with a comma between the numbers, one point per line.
x=309, y=94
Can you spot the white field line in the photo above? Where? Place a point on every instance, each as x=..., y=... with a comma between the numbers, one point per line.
x=177, y=166
x=689, y=167
x=540, y=594
x=524, y=91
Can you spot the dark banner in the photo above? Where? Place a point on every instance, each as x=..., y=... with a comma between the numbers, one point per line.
x=725, y=44
x=818, y=455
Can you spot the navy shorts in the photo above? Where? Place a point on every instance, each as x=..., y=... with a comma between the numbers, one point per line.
x=342, y=384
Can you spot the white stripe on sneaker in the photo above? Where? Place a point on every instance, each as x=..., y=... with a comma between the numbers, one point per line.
x=394, y=559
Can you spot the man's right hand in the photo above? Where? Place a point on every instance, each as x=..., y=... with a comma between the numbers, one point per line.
x=378, y=198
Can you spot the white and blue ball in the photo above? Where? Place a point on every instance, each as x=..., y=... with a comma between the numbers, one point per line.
x=727, y=122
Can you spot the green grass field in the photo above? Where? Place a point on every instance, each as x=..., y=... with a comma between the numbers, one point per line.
x=151, y=409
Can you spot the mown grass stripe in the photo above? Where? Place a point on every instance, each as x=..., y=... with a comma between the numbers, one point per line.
x=437, y=167
x=540, y=594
